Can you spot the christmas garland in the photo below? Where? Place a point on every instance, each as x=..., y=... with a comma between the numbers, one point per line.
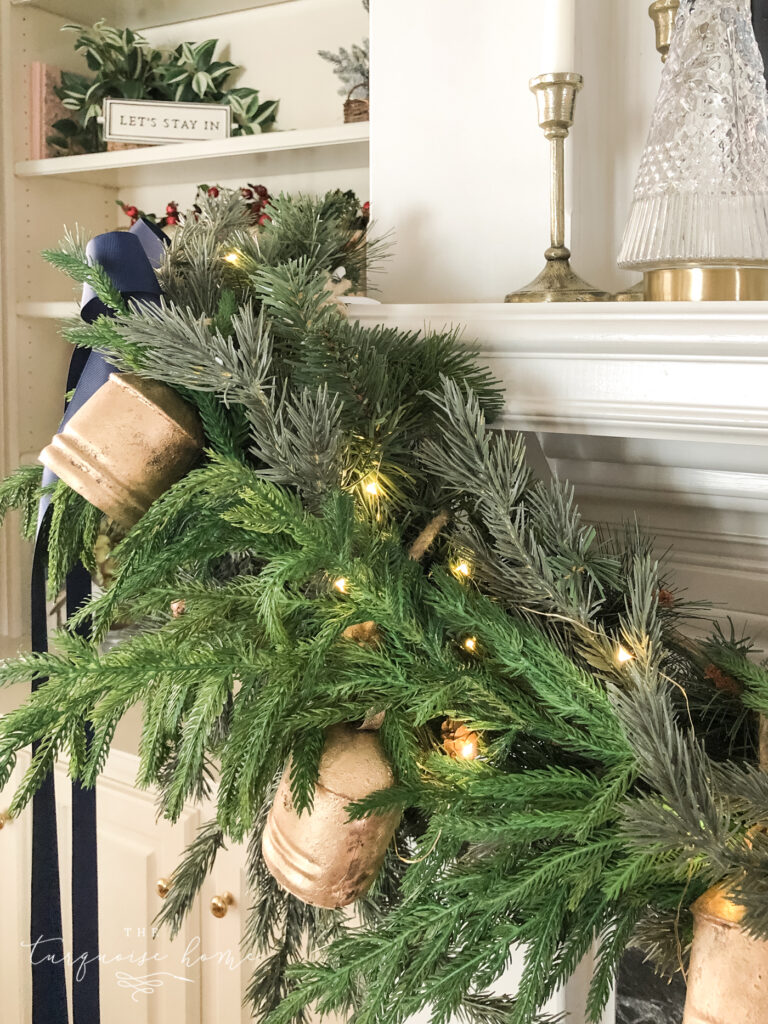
x=356, y=546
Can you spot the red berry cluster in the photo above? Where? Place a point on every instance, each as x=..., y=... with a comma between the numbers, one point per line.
x=171, y=215
x=257, y=199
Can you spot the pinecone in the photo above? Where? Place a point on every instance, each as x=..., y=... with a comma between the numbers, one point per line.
x=724, y=683
x=458, y=741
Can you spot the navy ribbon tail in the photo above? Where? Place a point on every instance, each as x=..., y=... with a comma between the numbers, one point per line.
x=129, y=258
x=85, y=869
x=49, y=988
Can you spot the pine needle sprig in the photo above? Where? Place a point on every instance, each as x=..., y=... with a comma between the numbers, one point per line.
x=70, y=257
x=22, y=491
x=189, y=876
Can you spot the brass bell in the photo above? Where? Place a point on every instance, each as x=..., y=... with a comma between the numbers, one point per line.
x=320, y=856
x=728, y=975
x=130, y=442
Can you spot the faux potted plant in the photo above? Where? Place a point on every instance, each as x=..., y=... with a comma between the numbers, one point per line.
x=352, y=66
x=126, y=66
x=191, y=75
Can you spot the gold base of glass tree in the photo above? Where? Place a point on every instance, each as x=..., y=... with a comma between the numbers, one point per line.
x=707, y=284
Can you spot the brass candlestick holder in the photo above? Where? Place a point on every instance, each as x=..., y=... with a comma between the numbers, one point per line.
x=555, y=99
x=663, y=13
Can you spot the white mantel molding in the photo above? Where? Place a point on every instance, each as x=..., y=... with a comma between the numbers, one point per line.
x=682, y=371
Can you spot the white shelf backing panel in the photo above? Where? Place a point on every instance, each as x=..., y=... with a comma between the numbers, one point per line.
x=141, y=14
x=273, y=153
x=42, y=214
x=43, y=358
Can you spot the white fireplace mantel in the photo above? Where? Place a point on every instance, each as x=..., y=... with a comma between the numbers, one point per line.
x=658, y=411
x=674, y=371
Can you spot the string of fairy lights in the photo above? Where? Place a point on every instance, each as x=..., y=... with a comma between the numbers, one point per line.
x=459, y=741
x=468, y=746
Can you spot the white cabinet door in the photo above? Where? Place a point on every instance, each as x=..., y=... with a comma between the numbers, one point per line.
x=226, y=973
x=144, y=977
x=15, y=847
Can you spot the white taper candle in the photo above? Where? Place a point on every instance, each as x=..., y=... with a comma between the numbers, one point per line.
x=558, y=41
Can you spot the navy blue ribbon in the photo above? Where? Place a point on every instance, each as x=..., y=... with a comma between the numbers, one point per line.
x=129, y=259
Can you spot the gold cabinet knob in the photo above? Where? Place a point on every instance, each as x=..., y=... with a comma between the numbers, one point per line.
x=221, y=904
x=163, y=887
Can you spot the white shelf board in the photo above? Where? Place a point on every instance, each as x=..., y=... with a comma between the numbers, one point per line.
x=320, y=148
x=141, y=14
x=48, y=310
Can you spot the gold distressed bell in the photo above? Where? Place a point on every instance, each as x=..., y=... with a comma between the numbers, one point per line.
x=130, y=442
x=728, y=975
x=319, y=856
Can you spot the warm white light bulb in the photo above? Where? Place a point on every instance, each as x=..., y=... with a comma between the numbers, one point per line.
x=372, y=488
x=470, y=644
x=462, y=569
x=232, y=257
x=469, y=750
x=623, y=655
x=341, y=585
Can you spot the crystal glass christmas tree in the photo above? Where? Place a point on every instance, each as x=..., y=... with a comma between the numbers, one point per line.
x=701, y=196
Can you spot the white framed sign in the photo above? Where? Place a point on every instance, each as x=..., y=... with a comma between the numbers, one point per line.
x=155, y=121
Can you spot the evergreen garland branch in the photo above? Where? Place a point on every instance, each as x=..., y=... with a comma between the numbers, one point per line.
x=606, y=795
x=22, y=491
x=71, y=259
x=188, y=878
x=74, y=528
x=187, y=350
x=102, y=336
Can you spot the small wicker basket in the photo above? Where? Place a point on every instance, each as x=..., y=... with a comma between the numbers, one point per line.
x=119, y=147
x=355, y=110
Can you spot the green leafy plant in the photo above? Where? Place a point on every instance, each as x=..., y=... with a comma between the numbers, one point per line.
x=74, y=134
x=191, y=75
x=126, y=66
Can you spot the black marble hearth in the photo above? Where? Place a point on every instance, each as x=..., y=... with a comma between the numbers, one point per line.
x=644, y=998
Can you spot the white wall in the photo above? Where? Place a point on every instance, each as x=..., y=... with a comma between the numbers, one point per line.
x=459, y=166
